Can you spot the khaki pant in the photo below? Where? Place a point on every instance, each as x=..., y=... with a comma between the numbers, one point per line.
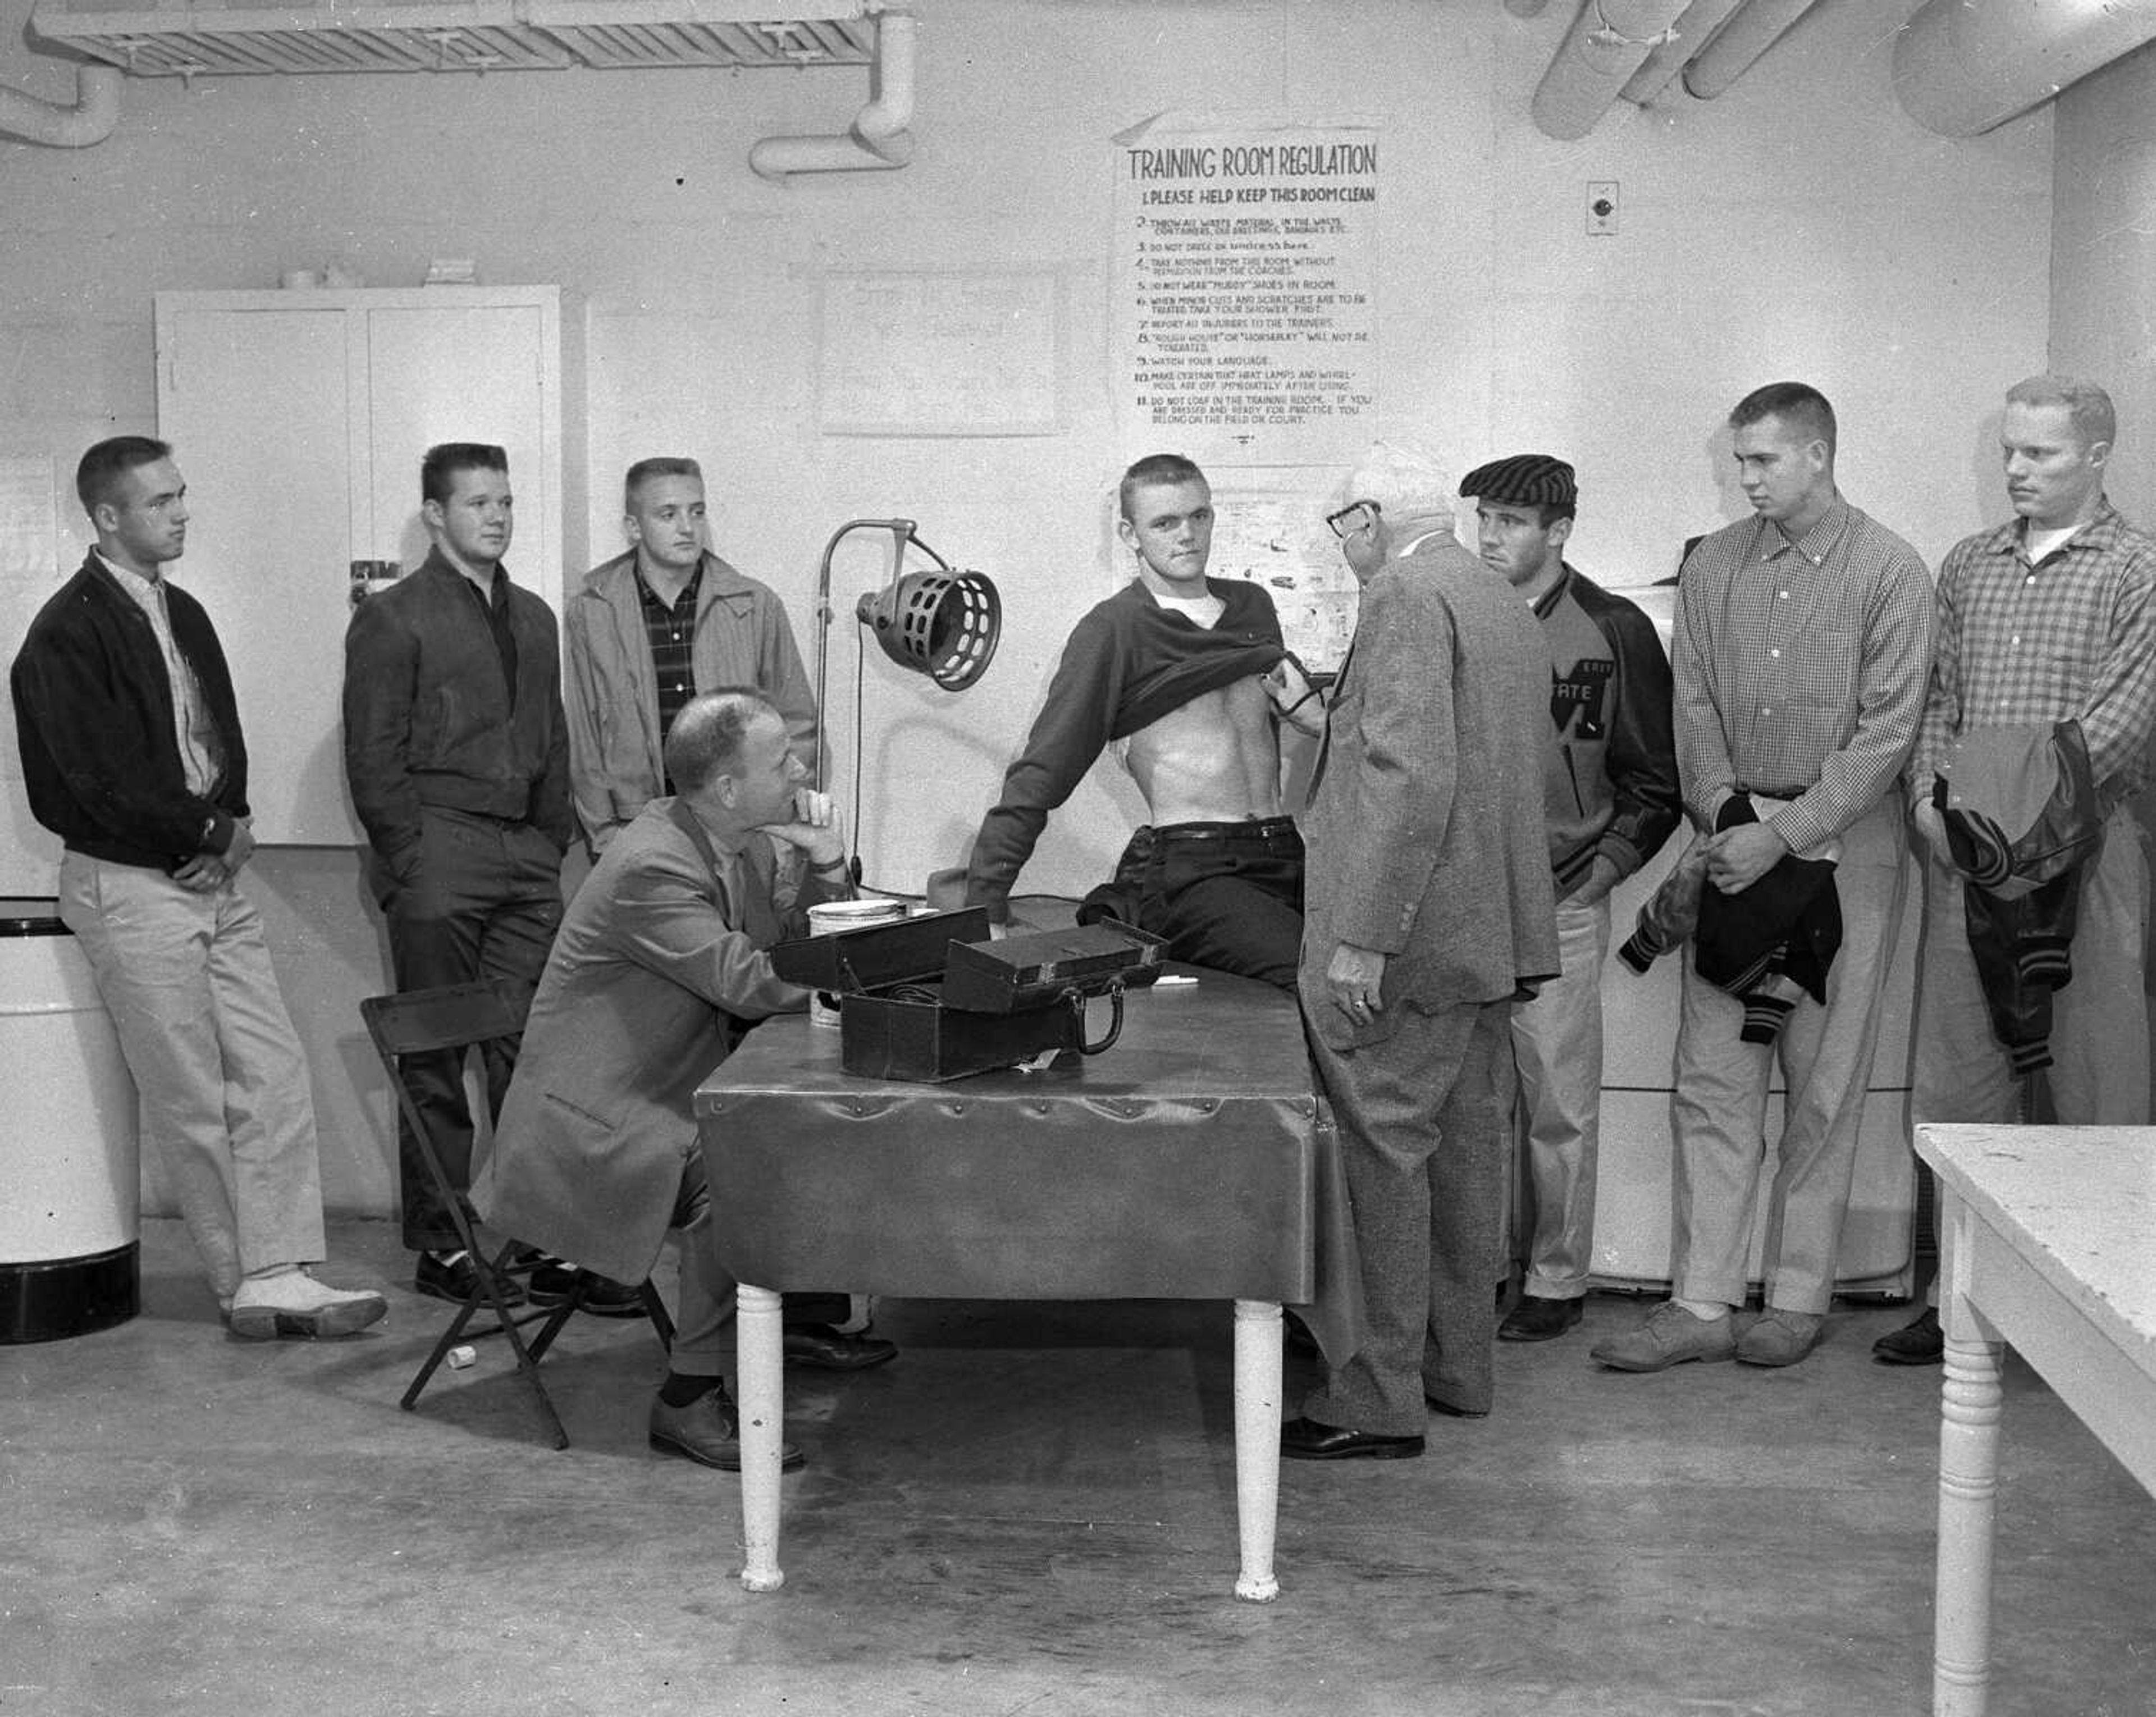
x=1556, y=1046
x=1824, y=1053
x=226, y=1104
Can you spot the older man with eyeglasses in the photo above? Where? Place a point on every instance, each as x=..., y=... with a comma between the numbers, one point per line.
x=1430, y=909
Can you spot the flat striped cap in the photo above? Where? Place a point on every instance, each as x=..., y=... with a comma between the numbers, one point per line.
x=1524, y=480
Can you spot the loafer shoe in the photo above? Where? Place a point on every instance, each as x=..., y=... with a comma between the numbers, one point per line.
x=821, y=1348
x=294, y=1304
x=553, y=1282
x=708, y=1431
x=1779, y=1337
x=458, y=1280
x=1536, y=1318
x=1670, y=1336
x=1919, y=1342
x=1307, y=1440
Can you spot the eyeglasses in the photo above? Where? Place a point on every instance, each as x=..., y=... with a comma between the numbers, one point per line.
x=1356, y=515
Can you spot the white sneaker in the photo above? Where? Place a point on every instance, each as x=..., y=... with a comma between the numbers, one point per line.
x=292, y=1303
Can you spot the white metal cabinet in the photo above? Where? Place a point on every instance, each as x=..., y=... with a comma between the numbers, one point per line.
x=299, y=419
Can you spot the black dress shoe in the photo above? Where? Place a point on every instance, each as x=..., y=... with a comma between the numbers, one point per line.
x=458, y=1280
x=1919, y=1342
x=1307, y=1440
x=1438, y=1406
x=553, y=1282
x=1536, y=1318
x=821, y=1348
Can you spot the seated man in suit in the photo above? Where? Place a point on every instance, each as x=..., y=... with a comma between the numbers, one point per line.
x=661, y=967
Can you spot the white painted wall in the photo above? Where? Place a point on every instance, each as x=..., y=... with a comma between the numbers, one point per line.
x=2103, y=260
x=1799, y=227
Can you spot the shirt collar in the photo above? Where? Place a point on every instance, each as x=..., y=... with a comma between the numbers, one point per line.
x=2012, y=538
x=133, y=582
x=690, y=591
x=1814, y=545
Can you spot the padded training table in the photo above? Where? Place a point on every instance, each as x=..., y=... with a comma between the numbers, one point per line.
x=1190, y=1161
x=2046, y=1242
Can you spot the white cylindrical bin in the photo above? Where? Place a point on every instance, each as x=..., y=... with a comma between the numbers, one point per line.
x=69, y=1154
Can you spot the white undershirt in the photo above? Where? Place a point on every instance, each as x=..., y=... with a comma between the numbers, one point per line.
x=2038, y=543
x=1201, y=610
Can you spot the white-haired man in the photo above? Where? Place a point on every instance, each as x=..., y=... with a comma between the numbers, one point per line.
x=1429, y=910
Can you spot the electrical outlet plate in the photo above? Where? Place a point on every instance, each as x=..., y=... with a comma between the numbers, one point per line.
x=1601, y=208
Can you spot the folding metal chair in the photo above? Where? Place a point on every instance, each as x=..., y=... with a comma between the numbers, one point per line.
x=455, y=1017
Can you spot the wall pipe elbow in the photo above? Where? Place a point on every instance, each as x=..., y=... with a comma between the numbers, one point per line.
x=879, y=138
x=92, y=118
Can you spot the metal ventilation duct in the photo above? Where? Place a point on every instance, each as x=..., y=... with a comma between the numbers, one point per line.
x=630, y=33
x=194, y=37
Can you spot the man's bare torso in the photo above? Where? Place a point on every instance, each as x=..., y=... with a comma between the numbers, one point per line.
x=1216, y=759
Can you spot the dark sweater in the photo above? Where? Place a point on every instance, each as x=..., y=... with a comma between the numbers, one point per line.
x=1128, y=662
x=1612, y=789
x=94, y=723
x=429, y=715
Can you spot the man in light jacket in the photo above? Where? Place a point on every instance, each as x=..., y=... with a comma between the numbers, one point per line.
x=649, y=630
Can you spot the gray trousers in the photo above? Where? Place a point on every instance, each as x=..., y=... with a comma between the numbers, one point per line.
x=1421, y=1120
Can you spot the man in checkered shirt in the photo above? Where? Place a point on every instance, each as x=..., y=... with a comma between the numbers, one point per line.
x=2049, y=615
x=1802, y=645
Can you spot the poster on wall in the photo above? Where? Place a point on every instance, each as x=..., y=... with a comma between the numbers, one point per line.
x=1245, y=285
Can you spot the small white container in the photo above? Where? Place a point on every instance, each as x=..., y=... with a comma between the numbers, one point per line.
x=832, y=916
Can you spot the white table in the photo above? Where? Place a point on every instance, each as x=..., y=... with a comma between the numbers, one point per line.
x=2048, y=1241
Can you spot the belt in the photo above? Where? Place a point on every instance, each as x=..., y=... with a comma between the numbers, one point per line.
x=1260, y=828
x=1752, y=792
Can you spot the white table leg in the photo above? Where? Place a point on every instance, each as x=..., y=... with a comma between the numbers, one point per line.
x=760, y=1359
x=1969, y=1490
x=1257, y=1444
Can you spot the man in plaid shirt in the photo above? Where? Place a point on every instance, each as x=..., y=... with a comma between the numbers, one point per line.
x=2051, y=616
x=1802, y=645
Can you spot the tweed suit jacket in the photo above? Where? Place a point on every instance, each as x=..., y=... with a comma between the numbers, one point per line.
x=655, y=977
x=1425, y=831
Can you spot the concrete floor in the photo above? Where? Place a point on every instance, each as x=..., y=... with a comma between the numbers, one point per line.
x=1032, y=1512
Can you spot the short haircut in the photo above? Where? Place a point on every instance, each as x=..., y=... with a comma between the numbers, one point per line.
x=99, y=474
x=1155, y=471
x=1799, y=405
x=1405, y=478
x=645, y=469
x=438, y=470
x=706, y=740
x=2087, y=405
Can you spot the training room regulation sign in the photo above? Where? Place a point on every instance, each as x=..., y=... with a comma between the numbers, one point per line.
x=1245, y=292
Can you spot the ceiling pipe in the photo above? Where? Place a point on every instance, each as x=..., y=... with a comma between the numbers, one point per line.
x=879, y=138
x=1739, y=43
x=91, y=119
x=1960, y=69
x=1700, y=20
x=1607, y=42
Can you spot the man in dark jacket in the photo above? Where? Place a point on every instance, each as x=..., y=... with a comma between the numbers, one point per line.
x=132, y=755
x=458, y=758
x=1610, y=800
